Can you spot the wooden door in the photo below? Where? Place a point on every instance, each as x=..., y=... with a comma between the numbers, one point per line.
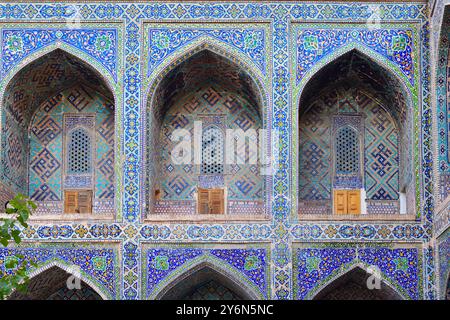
x=216, y=201
x=78, y=201
x=70, y=202
x=211, y=201
x=347, y=202
x=340, y=201
x=203, y=201
x=354, y=201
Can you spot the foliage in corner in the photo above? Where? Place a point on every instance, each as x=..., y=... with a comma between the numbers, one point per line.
x=14, y=277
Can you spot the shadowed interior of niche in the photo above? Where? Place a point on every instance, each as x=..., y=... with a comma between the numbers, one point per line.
x=51, y=284
x=206, y=284
x=353, y=286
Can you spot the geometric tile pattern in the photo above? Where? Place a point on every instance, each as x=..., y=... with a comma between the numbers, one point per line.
x=68, y=255
x=380, y=146
x=315, y=148
x=100, y=44
x=179, y=182
x=44, y=165
x=248, y=41
x=46, y=155
x=37, y=85
x=162, y=262
x=313, y=44
x=317, y=266
x=381, y=155
x=414, y=19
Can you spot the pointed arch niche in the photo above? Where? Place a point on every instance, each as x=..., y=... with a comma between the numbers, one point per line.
x=51, y=284
x=58, y=136
x=205, y=281
x=355, y=134
x=203, y=95
x=353, y=286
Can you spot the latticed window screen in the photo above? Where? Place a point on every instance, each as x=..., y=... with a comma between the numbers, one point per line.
x=347, y=151
x=212, y=151
x=79, y=152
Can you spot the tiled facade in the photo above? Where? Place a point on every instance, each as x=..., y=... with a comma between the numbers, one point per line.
x=130, y=73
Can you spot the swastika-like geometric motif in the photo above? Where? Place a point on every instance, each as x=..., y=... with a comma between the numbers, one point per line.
x=106, y=128
x=178, y=185
x=315, y=153
x=382, y=156
x=88, y=132
x=46, y=130
x=177, y=182
x=38, y=87
x=15, y=150
x=106, y=165
x=211, y=96
x=244, y=121
x=380, y=143
x=44, y=193
x=45, y=164
x=105, y=151
x=402, y=40
x=79, y=98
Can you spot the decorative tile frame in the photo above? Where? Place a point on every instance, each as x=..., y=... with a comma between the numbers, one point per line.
x=344, y=38
x=247, y=264
x=110, y=77
x=316, y=266
x=129, y=101
x=249, y=51
x=104, y=279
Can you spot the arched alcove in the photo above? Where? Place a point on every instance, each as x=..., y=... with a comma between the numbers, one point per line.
x=204, y=90
x=354, y=91
x=43, y=105
x=205, y=283
x=353, y=286
x=51, y=284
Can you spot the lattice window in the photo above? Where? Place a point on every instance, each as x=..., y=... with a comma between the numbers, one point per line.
x=212, y=151
x=347, y=151
x=79, y=152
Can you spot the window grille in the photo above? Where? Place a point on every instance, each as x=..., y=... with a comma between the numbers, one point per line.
x=212, y=151
x=79, y=152
x=347, y=151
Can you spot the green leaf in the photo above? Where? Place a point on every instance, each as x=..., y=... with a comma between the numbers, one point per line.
x=11, y=263
x=19, y=210
x=16, y=235
x=4, y=242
